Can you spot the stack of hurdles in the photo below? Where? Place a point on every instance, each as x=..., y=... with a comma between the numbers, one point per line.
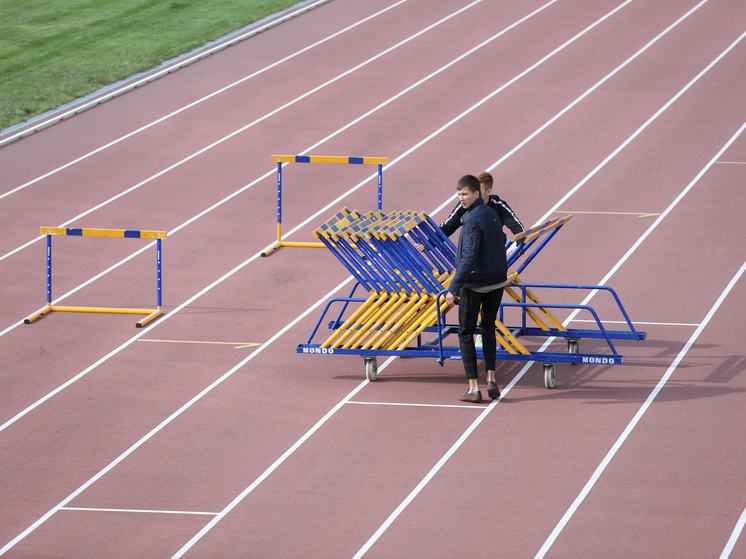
x=380, y=252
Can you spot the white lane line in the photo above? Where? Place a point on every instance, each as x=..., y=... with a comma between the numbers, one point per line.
x=275, y=465
x=415, y=405
x=144, y=511
x=598, y=84
x=171, y=234
x=734, y=536
x=171, y=68
x=247, y=126
x=269, y=173
x=168, y=420
x=184, y=408
x=317, y=144
x=563, y=522
x=637, y=322
x=636, y=419
x=445, y=458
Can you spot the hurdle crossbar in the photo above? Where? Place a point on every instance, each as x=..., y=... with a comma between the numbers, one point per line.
x=334, y=159
x=112, y=233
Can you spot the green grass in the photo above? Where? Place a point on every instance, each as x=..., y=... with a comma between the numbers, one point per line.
x=54, y=51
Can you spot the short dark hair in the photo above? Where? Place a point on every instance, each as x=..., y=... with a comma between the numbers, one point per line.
x=468, y=181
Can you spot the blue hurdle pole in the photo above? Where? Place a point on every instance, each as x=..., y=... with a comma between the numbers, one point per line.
x=49, y=270
x=158, y=273
x=380, y=186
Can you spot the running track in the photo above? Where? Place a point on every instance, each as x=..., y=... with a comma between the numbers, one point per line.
x=119, y=442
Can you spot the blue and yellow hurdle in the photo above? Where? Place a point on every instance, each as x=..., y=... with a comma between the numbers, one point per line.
x=111, y=233
x=333, y=159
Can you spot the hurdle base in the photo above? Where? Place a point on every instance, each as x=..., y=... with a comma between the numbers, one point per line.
x=277, y=244
x=151, y=314
x=38, y=314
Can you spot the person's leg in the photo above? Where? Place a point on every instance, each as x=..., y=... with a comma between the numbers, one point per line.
x=468, y=311
x=490, y=306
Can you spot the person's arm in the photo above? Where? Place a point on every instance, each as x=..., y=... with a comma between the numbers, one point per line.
x=453, y=222
x=507, y=216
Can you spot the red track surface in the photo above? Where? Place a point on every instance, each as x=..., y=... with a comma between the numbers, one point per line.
x=115, y=444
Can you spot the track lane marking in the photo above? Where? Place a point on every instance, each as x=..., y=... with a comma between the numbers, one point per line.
x=638, y=214
x=415, y=405
x=734, y=536
x=209, y=287
x=394, y=515
x=239, y=191
x=636, y=419
x=145, y=511
x=205, y=98
x=189, y=404
x=237, y=345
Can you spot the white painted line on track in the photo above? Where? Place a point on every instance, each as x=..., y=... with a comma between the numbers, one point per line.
x=734, y=536
x=188, y=405
x=470, y=407
x=565, y=519
x=636, y=419
x=249, y=125
x=637, y=322
x=269, y=173
x=394, y=515
x=598, y=84
x=198, y=101
x=276, y=464
x=251, y=487
x=145, y=511
x=204, y=212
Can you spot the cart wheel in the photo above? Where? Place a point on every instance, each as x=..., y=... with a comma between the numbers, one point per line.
x=371, y=368
x=548, y=375
x=573, y=346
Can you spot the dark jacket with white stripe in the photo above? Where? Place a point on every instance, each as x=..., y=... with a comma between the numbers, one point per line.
x=506, y=215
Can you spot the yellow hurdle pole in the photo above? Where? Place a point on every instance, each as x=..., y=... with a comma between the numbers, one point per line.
x=374, y=322
x=545, y=312
x=346, y=341
x=371, y=305
x=428, y=317
x=404, y=322
x=392, y=323
x=530, y=311
x=353, y=318
x=509, y=335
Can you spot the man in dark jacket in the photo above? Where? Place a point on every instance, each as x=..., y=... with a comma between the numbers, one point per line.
x=479, y=280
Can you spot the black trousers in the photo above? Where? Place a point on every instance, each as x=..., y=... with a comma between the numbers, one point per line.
x=471, y=303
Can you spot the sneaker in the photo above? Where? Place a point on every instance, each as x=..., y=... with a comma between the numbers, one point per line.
x=493, y=390
x=471, y=397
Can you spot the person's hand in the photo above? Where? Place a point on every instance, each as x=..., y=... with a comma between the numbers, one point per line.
x=450, y=299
